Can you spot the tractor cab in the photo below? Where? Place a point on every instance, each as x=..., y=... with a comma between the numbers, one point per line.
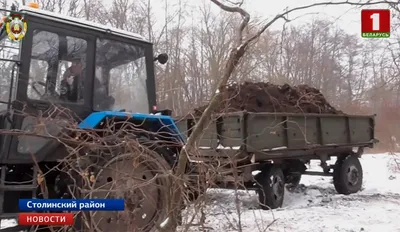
x=73, y=63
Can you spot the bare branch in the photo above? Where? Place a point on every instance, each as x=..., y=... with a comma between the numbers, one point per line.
x=282, y=15
x=236, y=9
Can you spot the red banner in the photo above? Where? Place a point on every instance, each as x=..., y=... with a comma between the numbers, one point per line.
x=51, y=219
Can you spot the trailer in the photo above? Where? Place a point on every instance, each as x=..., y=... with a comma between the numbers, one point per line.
x=266, y=151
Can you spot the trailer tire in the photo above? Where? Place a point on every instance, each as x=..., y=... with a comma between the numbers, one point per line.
x=292, y=181
x=348, y=175
x=271, y=187
x=195, y=190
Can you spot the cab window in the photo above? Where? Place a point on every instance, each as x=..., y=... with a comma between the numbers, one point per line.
x=121, y=77
x=57, y=68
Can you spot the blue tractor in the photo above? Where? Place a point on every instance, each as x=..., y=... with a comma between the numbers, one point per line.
x=99, y=74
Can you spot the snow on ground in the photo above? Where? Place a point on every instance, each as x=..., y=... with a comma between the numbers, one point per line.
x=314, y=206
x=7, y=223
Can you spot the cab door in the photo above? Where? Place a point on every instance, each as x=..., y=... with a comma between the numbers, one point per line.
x=9, y=69
x=47, y=52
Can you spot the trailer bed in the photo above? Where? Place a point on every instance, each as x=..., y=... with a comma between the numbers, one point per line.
x=283, y=133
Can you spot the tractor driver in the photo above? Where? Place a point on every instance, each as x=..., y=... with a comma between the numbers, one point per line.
x=72, y=82
x=72, y=85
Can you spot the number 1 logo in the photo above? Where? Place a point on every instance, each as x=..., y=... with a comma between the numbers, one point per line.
x=375, y=23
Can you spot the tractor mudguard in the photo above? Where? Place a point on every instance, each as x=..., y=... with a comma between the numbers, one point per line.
x=162, y=122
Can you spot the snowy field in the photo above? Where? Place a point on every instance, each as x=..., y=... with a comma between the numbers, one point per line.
x=314, y=206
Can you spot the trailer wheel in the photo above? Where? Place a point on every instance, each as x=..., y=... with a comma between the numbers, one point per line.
x=348, y=175
x=125, y=176
x=195, y=191
x=272, y=187
x=197, y=184
x=292, y=181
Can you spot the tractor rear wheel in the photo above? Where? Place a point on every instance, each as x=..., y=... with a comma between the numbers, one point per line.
x=137, y=178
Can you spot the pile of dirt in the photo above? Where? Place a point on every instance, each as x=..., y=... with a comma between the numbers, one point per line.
x=268, y=97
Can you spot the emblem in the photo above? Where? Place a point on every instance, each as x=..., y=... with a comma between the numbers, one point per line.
x=16, y=27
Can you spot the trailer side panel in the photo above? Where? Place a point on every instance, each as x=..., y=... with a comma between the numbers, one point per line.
x=266, y=132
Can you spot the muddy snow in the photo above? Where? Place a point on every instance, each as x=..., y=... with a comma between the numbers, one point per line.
x=314, y=206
